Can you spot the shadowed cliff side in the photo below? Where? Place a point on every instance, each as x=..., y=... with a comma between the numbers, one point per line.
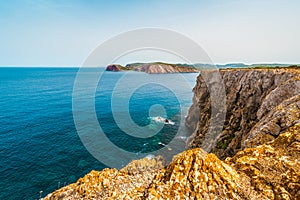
x=256, y=99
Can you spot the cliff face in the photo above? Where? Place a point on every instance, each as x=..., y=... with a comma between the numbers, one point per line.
x=154, y=68
x=260, y=104
x=261, y=133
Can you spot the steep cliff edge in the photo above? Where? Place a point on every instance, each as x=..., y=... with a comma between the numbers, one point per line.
x=260, y=104
x=260, y=141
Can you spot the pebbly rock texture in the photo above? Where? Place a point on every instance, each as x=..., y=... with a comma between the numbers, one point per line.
x=154, y=68
x=260, y=104
x=269, y=171
x=274, y=167
x=127, y=183
x=194, y=174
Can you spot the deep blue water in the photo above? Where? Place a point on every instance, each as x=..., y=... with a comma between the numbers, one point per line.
x=40, y=149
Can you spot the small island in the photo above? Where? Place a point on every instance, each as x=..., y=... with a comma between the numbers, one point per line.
x=154, y=68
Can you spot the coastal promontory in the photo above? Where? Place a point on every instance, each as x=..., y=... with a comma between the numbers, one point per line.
x=154, y=68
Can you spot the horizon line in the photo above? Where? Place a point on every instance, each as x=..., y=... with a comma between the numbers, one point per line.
x=74, y=66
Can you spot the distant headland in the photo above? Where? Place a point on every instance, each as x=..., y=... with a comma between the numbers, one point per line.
x=154, y=68
x=163, y=68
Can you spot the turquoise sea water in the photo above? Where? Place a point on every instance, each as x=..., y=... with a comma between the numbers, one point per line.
x=40, y=149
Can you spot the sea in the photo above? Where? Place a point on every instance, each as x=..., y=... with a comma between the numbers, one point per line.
x=52, y=118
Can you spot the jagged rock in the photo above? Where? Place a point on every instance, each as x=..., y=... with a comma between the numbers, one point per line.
x=277, y=120
x=251, y=94
x=274, y=167
x=127, y=183
x=194, y=174
x=269, y=171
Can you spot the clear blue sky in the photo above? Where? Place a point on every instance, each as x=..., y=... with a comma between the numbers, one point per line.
x=63, y=33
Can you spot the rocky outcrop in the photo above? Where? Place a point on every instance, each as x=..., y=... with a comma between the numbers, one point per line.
x=127, y=183
x=154, y=68
x=260, y=104
x=274, y=167
x=269, y=171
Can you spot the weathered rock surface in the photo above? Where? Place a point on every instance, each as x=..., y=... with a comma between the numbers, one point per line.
x=127, y=183
x=274, y=167
x=154, y=68
x=256, y=99
x=269, y=171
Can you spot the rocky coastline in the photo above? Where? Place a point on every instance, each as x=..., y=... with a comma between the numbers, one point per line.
x=256, y=155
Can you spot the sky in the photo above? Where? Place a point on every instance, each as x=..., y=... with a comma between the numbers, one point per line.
x=65, y=32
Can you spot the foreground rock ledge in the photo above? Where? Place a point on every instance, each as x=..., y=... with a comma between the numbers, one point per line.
x=269, y=171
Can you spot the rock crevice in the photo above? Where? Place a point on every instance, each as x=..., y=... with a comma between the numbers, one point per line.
x=253, y=98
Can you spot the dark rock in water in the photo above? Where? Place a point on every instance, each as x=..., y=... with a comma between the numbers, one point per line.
x=114, y=68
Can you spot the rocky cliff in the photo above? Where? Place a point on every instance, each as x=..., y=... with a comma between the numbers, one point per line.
x=154, y=68
x=260, y=104
x=260, y=141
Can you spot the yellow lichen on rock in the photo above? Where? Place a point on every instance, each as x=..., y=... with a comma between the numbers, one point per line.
x=269, y=171
x=195, y=174
x=274, y=168
x=128, y=183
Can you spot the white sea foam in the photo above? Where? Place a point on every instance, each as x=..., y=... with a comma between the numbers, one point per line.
x=162, y=120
